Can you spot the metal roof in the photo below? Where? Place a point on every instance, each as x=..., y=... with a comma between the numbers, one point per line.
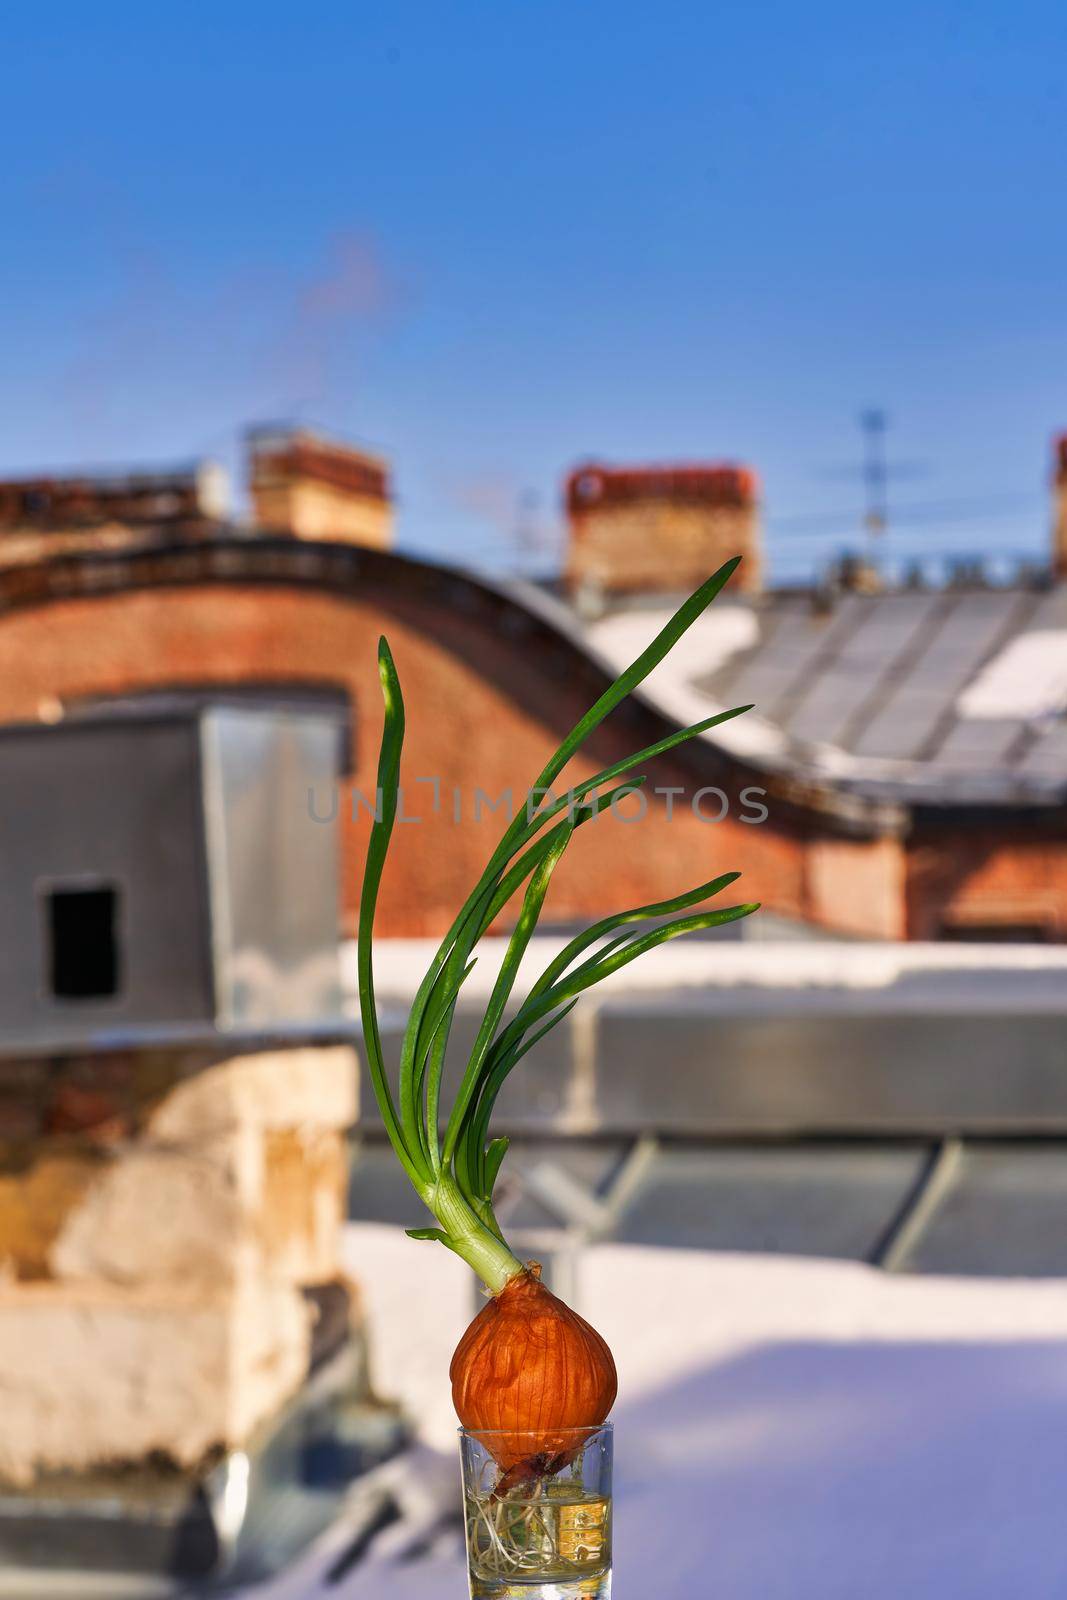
x=950, y=697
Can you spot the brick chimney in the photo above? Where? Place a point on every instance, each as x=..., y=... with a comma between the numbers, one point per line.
x=1059, y=507
x=315, y=488
x=649, y=529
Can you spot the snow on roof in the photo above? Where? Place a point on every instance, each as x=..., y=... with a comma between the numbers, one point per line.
x=1028, y=678
x=723, y=632
x=992, y=973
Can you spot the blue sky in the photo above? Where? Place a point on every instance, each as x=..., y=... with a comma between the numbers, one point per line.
x=493, y=239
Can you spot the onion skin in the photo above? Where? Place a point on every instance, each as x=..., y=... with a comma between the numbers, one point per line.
x=531, y=1370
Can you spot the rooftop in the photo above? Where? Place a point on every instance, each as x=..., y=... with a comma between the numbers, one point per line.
x=944, y=696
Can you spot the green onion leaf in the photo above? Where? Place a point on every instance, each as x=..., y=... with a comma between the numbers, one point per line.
x=456, y=1175
x=409, y=1153
x=531, y=909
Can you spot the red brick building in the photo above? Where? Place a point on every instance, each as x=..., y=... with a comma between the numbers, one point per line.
x=958, y=831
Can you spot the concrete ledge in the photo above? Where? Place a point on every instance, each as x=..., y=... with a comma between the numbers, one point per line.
x=696, y=1070
x=90, y=1374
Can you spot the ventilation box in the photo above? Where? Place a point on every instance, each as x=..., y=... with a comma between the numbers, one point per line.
x=163, y=877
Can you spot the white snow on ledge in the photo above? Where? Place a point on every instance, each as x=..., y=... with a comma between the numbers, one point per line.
x=995, y=971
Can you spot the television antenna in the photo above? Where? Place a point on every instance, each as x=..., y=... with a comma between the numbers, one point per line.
x=875, y=472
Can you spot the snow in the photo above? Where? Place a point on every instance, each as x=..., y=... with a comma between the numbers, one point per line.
x=786, y=1428
x=896, y=974
x=1027, y=679
x=722, y=632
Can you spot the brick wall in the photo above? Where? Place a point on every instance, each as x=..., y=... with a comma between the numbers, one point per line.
x=964, y=879
x=312, y=510
x=645, y=548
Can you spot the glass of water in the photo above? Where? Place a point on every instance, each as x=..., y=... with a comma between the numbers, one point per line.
x=537, y=1510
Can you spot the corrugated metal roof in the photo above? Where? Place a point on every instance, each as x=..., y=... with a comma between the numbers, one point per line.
x=953, y=696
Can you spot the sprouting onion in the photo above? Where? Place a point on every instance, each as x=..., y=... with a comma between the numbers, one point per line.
x=454, y=1167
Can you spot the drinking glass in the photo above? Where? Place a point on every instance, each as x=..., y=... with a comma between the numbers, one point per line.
x=537, y=1509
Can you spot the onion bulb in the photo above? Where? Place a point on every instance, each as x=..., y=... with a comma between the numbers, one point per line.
x=530, y=1371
